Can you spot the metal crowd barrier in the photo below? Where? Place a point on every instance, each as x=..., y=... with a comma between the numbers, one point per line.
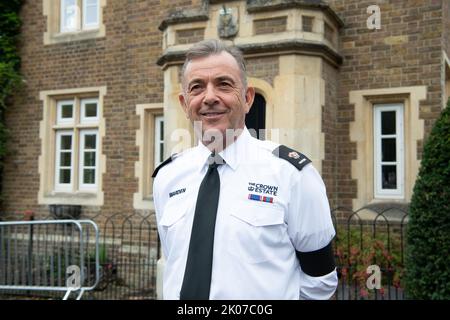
x=57, y=255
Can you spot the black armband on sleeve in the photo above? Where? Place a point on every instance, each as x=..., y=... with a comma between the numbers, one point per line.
x=317, y=263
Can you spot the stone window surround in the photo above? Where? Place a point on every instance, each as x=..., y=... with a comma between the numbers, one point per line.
x=361, y=133
x=52, y=35
x=46, y=193
x=445, y=79
x=145, y=141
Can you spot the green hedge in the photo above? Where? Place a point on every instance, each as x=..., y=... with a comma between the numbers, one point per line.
x=10, y=78
x=428, y=238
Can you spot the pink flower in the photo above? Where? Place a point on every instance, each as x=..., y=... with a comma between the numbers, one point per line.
x=363, y=293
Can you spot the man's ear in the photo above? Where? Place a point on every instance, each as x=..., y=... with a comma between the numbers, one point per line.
x=183, y=104
x=249, y=97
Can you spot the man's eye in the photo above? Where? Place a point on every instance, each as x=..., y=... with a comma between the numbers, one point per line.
x=225, y=84
x=194, y=88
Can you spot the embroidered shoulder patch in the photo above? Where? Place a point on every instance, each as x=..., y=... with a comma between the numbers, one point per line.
x=296, y=158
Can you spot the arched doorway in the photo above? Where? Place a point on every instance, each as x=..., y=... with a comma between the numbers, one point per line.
x=256, y=118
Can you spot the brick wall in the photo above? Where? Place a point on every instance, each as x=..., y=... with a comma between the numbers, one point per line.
x=330, y=167
x=405, y=52
x=124, y=61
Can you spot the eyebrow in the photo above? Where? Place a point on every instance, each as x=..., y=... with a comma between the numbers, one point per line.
x=227, y=78
x=218, y=79
x=193, y=82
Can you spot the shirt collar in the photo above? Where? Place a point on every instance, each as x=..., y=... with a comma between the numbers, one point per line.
x=232, y=155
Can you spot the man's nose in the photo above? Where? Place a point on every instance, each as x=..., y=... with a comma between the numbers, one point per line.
x=210, y=97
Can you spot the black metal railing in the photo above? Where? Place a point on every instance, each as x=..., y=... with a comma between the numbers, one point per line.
x=129, y=250
x=371, y=236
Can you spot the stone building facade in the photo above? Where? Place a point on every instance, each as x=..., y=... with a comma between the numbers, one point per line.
x=99, y=104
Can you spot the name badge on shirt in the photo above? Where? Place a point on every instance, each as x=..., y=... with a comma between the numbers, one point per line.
x=177, y=192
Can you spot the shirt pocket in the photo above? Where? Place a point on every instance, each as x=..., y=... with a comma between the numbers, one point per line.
x=173, y=223
x=255, y=232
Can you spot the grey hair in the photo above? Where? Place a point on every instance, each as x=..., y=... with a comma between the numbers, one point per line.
x=210, y=47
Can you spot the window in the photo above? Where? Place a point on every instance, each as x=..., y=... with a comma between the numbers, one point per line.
x=88, y=159
x=77, y=15
x=159, y=140
x=91, y=14
x=69, y=15
x=150, y=141
x=64, y=160
x=388, y=151
x=71, y=162
x=89, y=111
x=76, y=162
x=328, y=33
x=307, y=23
x=365, y=133
x=73, y=20
x=65, y=111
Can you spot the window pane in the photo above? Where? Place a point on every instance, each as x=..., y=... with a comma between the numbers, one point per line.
x=90, y=141
x=389, y=177
x=388, y=122
x=66, y=159
x=161, y=130
x=328, y=32
x=66, y=111
x=307, y=23
x=89, y=159
x=161, y=152
x=89, y=176
x=388, y=149
x=64, y=176
x=66, y=142
x=90, y=110
x=70, y=14
x=91, y=12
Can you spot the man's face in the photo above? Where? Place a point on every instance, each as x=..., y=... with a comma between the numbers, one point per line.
x=214, y=93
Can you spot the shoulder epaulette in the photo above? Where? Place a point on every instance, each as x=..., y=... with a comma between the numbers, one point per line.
x=297, y=159
x=167, y=161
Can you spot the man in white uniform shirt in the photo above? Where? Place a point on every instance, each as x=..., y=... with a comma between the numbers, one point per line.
x=238, y=218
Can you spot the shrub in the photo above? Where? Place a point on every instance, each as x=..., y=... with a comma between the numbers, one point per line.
x=9, y=62
x=357, y=248
x=428, y=237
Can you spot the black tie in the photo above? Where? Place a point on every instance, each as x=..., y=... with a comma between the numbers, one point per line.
x=197, y=275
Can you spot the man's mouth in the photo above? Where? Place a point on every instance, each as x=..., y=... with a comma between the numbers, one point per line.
x=212, y=114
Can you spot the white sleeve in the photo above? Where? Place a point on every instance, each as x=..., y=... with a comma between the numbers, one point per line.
x=310, y=228
x=318, y=288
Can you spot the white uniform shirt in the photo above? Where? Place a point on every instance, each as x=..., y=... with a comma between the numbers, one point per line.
x=254, y=242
